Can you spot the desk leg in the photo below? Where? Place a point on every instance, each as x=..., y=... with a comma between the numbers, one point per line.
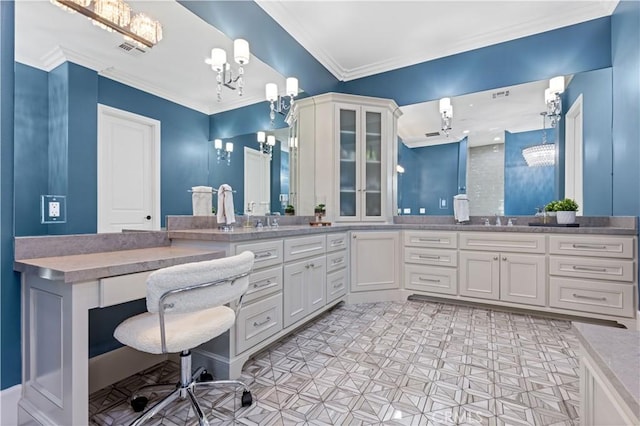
x=55, y=376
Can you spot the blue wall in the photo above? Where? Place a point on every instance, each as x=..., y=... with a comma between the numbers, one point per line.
x=525, y=187
x=625, y=37
x=594, y=86
x=431, y=173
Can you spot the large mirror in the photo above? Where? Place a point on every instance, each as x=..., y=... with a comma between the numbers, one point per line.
x=481, y=155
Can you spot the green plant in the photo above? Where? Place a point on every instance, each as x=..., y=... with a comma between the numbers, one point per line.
x=319, y=209
x=566, y=205
x=289, y=209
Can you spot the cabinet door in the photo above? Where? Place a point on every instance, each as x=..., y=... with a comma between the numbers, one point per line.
x=349, y=202
x=295, y=295
x=522, y=278
x=316, y=283
x=375, y=260
x=371, y=160
x=480, y=275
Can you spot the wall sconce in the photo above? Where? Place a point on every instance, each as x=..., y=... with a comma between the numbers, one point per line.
x=116, y=15
x=219, y=64
x=446, y=113
x=278, y=103
x=223, y=155
x=553, y=100
x=267, y=142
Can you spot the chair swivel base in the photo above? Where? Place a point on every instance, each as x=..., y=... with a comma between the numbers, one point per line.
x=183, y=389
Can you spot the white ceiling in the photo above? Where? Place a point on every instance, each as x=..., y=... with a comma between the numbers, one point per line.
x=350, y=38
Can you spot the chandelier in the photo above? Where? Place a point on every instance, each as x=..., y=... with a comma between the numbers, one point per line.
x=223, y=155
x=541, y=155
x=117, y=15
x=446, y=115
x=267, y=142
x=225, y=75
x=553, y=100
x=278, y=103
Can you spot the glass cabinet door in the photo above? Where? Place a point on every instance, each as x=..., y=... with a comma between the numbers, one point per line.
x=373, y=164
x=348, y=174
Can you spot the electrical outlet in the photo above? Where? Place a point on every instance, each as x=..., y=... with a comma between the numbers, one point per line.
x=54, y=208
x=443, y=203
x=406, y=211
x=423, y=210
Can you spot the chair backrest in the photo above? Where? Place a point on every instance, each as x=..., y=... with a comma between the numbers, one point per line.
x=219, y=271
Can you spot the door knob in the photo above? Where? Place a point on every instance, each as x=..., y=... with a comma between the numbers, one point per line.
x=148, y=217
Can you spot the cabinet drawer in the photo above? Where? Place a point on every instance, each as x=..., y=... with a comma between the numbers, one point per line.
x=263, y=283
x=431, y=278
x=431, y=239
x=267, y=253
x=258, y=321
x=431, y=256
x=336, y=260
x=600, y=246
x=594, y=297
x=608, y=269
x=337, y=284
x=299, y=248
x=123, y=288
x=337, y=241
x=500, y=241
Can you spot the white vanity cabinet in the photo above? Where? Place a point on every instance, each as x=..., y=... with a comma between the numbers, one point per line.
x=337, y=265
x=508, y=267
x=346, y=156
x=375, y=260
x=593, y=273
x=430, y=261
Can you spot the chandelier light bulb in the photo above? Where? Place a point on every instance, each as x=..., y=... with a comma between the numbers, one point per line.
x=217, y=144
x=271, y=140
x=556, y=84
x=292, y=86
x=241, y=51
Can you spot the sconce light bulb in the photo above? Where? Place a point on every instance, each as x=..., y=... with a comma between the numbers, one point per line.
x=241, y=51
x=556, y=84
x=271, y=140
x=445, y=103
x=218, y=59
x=271, y=92
x=217, y=144
x=261, y=137
x=228, y=147
x=292, y=87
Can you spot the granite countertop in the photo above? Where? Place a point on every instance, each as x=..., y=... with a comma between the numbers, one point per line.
x=85, y=267
x=616, y=352
x=245, y=234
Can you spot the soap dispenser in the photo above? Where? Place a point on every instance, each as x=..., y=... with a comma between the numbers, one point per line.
x=498, y=222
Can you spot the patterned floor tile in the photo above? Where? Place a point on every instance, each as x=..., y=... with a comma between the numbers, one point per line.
x=412, y=363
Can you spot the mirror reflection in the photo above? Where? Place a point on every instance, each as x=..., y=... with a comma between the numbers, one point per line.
x=482, y=153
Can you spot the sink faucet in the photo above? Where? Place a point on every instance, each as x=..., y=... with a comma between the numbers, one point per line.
x=498, y=222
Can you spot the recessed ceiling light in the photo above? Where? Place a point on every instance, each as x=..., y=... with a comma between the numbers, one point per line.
x=497, y=138
x=466, y=132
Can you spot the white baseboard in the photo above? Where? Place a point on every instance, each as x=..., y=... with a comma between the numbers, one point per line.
x=396, y=295
x=9, y=405
x=118, y=364
x=638, y=321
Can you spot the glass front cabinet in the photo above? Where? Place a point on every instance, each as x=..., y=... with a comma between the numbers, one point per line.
x=354, y=141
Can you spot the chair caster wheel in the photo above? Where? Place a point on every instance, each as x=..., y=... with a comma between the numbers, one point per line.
x=139, y=403
x=247, y=399
x=205, y=377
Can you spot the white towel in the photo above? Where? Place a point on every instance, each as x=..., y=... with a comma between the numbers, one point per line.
x=461, y=208
x=225, y=205
x=201, y=200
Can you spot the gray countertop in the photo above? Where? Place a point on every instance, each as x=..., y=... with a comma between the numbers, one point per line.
x=616, y=352
x=91, y=266
x=244, y=234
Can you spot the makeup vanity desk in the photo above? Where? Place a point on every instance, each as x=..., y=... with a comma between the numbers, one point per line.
x=57, y=293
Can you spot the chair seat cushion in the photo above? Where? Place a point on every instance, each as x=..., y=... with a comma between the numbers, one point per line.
x=183, y=331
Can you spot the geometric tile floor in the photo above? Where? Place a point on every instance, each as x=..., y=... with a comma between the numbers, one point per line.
x=411, y=363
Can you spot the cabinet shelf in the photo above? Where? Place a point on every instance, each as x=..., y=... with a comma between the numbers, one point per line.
x=347, y=132
x=347, y=160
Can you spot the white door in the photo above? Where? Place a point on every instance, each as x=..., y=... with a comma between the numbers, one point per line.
x=128, y=171
x=573, y=154
x=257, y=181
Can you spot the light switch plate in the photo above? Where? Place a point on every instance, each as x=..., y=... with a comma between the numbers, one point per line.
x=53, y=209
x=443, y=203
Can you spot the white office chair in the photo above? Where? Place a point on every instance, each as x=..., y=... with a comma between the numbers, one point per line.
x=186, y=308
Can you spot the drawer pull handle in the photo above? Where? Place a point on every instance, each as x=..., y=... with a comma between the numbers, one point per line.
x=262, y=256
x=258, y=324
x=264, y=284
x=429, y=280
x=495, y=257
x=336, y=243
x=338, y=285
x=336, y=261
x=429, y=240
x=580, y=296
x=426, y=256
x=504, y=257
x=589, y=268
x=590, y=246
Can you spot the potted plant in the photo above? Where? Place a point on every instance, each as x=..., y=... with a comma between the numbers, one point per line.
x=565, y=210
x=289, y=210
x=319, y=211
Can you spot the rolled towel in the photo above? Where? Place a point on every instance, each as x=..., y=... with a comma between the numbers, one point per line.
x=461, y=208
x=225, y=213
